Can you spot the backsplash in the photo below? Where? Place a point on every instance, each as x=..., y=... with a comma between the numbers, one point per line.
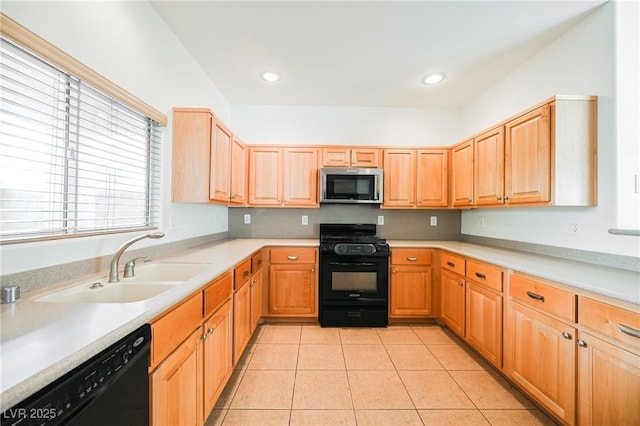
x=398, y=224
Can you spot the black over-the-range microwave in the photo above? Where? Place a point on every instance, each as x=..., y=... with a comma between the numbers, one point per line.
x=351, y=185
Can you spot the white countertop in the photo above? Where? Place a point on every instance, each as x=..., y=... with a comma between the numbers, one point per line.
x=42, y=341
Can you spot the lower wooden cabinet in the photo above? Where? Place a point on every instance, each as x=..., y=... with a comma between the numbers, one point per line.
x=542, y=359
x=256, y=289
x=608, y=383
x=484, y=322
x=217, y=355
x=410, y=286
x=241, y=320
x=453, y=301
x=293, y=288
x=176, y=386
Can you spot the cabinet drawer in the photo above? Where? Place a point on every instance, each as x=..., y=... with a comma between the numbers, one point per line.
x=217, y=292
x=483, y=273
x=452, y=263
x=410, y=256
x=241, y=274
x=618, y=323
x=256, y=262
x=543, y=297
x=293, y=255
x=169, y=330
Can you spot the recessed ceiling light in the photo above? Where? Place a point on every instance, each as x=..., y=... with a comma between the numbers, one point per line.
x=434, y=78
x=270, y=76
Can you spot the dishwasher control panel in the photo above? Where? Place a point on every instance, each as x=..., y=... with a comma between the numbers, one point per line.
x=61, y=401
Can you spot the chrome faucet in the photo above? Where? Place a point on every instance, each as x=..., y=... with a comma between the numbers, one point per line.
x=113, y=272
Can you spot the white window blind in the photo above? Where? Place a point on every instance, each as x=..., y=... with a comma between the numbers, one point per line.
x=73, y=160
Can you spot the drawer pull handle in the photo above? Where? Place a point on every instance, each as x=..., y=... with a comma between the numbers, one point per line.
x=451, y=264
x=566, y=335
x=481, y=276
x=535, y=296
x=412, y=259
x=629, y=331
x=292, y=257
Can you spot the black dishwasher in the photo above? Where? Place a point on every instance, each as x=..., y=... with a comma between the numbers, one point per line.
x=112, y=388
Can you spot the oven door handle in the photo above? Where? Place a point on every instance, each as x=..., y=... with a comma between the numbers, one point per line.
x=352, y=264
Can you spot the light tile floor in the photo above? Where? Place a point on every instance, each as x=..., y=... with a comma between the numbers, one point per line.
x=302, y=374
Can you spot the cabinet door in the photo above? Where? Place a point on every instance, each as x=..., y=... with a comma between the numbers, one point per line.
x=453, y=312
x=241, y=320
x=265, y=166
x=431, y=178
x=608, y=384
x=176, y=388
x=399, y=177
x=217, y=355
x=484, y=321
x=528, y=158
x=336, y=157
x=191, y=153
x=489, y=167
x=238, y=172
x=410, y=290
x=300, y=177
x=256, y=299
x=221, y=141
x=543, y=358
x=365, y=157
x=292, y=290
x=462, y=174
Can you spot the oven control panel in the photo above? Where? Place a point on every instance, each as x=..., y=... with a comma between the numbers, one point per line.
x=360, y=249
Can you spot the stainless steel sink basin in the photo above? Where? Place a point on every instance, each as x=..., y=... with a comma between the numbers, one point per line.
x=109, y=293
x=167, y=272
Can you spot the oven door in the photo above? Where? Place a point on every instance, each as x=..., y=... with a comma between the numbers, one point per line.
x=354, y=278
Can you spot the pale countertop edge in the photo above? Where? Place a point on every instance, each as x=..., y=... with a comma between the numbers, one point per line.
x=229, y=253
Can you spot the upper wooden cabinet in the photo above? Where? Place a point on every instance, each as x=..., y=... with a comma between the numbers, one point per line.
x=238, y=172
x=462, y=174
x=415, y=178
x=337, y=156
x=544, y=156
x=191, y=155
x=283, y=177
x=205, y=154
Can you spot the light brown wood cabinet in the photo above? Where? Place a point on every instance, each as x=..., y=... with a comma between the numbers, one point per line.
x=338, y=156
x=608, y=365
x=453, y=289
x=415, y=178
x=462, y=174
x=220, y=174
x=293, y=289
x=256, y=290
x=191, y=155
x=283, y=177
x=489, y=167
x=217, y=354
x=540, y=349
x=176, y=389
x=410, y=287
x=238, y=172
x=241, y=308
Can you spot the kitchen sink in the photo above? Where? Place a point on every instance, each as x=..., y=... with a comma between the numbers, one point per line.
x=167, y=272
x=108, y=293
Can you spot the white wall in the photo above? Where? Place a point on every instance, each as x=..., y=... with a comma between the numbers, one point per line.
x=345, y=125
x=128, y=43
x=582, y=61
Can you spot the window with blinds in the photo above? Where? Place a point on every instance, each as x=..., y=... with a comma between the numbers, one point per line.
x=73, y=160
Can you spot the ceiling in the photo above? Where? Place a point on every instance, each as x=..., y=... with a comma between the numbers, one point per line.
x=364, y=53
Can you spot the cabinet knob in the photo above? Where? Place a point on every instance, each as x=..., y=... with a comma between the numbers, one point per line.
x=506, y=198
x=566, y=335
x=499, y=198
x=211, y=330
x=581, y=343
x=204, y=336
x=313, y=269
x=461, y=283
x=393, y=271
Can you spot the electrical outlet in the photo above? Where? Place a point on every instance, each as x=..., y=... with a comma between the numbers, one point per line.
x=433, y=221
x=305, y=219
x=247, y=219
x=481, y=222
x=576, y=228
x=380, y=220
